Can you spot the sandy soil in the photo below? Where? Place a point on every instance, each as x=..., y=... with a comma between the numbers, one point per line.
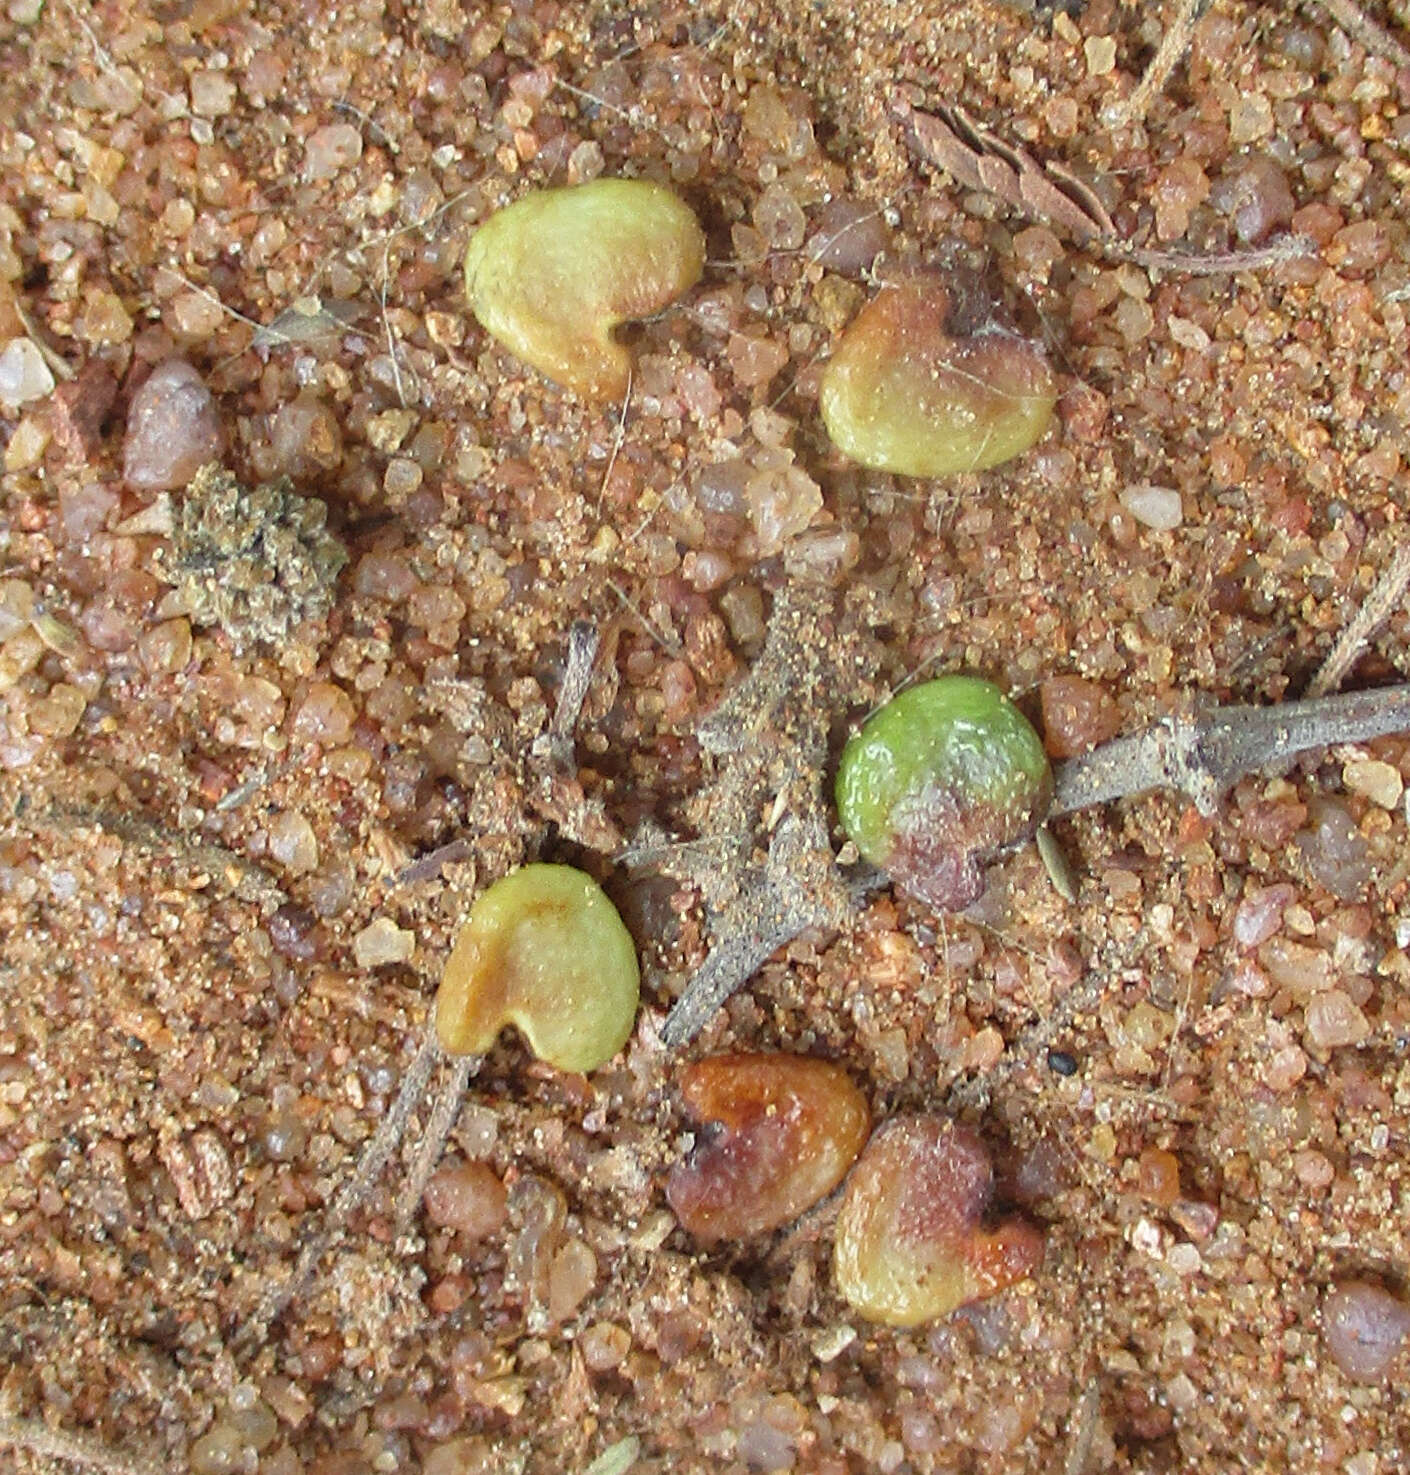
x=217, y=949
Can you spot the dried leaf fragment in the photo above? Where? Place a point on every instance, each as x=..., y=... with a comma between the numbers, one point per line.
x=979, y=160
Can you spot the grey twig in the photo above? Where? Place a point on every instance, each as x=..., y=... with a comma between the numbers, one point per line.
x=374, y=1158
x=1376, y=609
x=37, y=1438
x=442, y=1121
x=1203, y=756
x=800, y=887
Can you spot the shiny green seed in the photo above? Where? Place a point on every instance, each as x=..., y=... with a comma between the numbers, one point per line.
x=553, y=274
x=545, y=950
x=939, y=779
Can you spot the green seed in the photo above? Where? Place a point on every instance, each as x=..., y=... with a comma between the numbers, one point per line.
x=543, y=949
x=901, y=394
x=553, y=274
x=938, y=780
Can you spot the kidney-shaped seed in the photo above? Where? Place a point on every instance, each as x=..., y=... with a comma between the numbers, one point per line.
x=910, y=1243
x=939, y=779
x=783, y=1130
x=543, y=949
x=552, y=275
x=902, y=394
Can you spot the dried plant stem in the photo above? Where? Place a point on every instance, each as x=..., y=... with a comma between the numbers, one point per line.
x=1173, y=46
x=245, y=877
x=1364, y=31
x=1377, y=608
x=800, y=888
x=433, y=1139
x=37, y=1438
x=730, y=964
x=1215, y=263
x=1202, y=756
x=351, y=1194
x=583, y=641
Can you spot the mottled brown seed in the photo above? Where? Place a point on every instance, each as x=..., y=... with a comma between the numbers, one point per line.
x=910, y=1246
x=781, y=1132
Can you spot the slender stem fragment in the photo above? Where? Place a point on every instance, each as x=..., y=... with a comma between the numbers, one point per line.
x=583, y=640
x=731, y=963
x=37, y=1438
x=1172, y=48
x=438, y=1129
x=1379, y=604
x=1364, y=31
x=1203, y=756
x=351, y=1194
x=801, y=888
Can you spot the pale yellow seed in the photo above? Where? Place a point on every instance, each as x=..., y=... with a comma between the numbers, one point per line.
x=553, y=274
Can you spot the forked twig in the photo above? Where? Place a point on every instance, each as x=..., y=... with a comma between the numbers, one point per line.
x=356, y=1188
x=1201, y=756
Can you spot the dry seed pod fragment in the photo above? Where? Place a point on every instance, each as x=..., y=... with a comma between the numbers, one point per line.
x=788, y=1129
x=552, y=275
x=909, y=1245
x=903, y=394
x=543, y=949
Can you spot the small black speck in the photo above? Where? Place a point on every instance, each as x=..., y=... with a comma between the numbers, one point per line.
x=1063, y=1063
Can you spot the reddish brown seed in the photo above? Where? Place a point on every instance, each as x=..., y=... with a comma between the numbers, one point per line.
x=910, y=1246
x=786, y=1129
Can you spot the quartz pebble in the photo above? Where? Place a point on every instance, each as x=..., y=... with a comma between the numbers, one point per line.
x=383, y=942
x=466, y=1197
x=1379, y=782
x=292, y=842
x=1365, y=1328
x=1154, y=507
x=24, y=376
x=1334, y=1019
x=79, y=408
x=173, y=429
x=330, y=150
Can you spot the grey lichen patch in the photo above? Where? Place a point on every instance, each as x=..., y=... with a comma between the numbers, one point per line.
x=254, y=563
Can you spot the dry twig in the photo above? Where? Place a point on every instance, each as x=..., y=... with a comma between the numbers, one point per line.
x=1202, y=756
x=1363, y=30
x=1046, y=191
x=1377, y=608
x=78, y=1449
x=1169, y=53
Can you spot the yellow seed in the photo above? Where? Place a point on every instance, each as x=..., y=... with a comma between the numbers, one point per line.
x=543, y=949
x=553, y=274
x=902, y=394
